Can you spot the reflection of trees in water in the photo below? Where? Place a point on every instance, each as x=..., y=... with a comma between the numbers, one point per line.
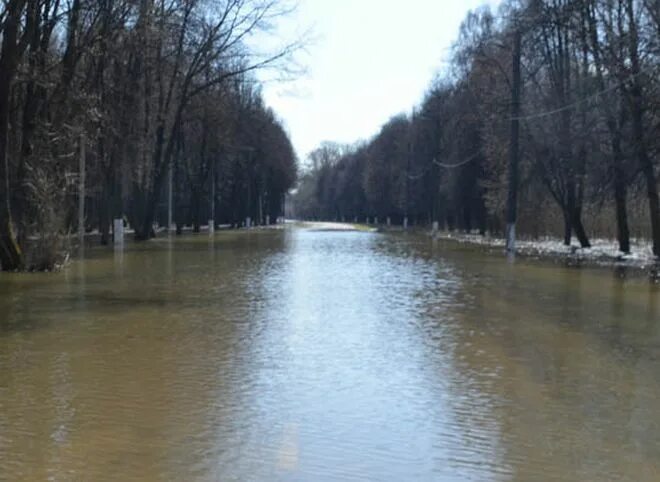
x=225, y=356
x=153, y=382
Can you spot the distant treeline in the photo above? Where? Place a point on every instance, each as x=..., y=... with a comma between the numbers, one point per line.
x=140, y=95
x=589, y=128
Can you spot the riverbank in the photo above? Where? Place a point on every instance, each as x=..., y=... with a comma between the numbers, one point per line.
x=603, y=252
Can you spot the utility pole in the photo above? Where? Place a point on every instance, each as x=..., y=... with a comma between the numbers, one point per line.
x=260, y=214
x=212, y=219
x=514, y=147
x=81, y=193
x=170, y=198
x=410, y=153
x=405, y=215
x=248, y=219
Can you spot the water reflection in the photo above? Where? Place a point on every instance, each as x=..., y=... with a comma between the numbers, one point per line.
x=317, y=355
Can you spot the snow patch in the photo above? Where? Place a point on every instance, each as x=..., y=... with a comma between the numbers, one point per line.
x=602, y=251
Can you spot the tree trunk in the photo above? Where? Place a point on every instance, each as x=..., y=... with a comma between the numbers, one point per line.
x=614, y=128
x=195, y=204
x=104, y=219
x=162, y=160
x=580, y=232
x=641, y=150
x=651, y=183
x=568, y=227
x=623, y=232
x=579, y=228
x=11, y=255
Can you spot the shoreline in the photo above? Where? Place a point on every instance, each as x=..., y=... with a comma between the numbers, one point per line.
x=603, y=253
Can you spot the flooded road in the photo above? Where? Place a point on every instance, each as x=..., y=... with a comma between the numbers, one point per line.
x=312, y=355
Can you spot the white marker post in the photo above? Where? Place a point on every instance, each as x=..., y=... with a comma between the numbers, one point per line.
x=118, y=231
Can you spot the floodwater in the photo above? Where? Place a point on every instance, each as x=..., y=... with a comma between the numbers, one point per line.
x=308, y=355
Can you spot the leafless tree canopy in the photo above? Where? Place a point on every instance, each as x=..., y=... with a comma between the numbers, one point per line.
x=589, y=130
x=151, y=90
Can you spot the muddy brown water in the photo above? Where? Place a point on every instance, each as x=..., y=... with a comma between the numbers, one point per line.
x=307, y=355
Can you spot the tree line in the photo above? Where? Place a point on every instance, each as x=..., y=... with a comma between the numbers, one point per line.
x=139, y=102
x=583, y=114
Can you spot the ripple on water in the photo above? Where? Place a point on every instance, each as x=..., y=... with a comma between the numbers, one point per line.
x=303, y=355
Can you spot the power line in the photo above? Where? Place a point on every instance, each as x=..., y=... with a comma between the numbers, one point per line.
x=415, y=177
x=540, y=115
x=434, y=161
x=526, y=21
x=458, y=164
x=531, y=117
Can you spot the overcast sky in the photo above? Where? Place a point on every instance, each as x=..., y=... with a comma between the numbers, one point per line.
x=370, y=59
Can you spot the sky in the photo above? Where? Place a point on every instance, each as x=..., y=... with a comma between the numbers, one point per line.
x=368, y=60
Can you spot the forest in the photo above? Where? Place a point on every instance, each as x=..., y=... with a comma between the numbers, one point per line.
x=546, y=119
x=110, y=109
